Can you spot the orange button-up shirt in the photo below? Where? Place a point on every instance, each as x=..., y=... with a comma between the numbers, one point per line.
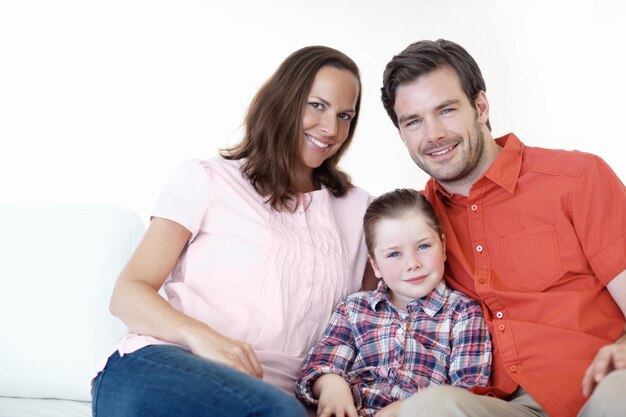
x=537, y=240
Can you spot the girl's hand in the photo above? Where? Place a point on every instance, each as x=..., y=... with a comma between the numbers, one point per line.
x=391, y=410
x=335, y=397
x=209, y=344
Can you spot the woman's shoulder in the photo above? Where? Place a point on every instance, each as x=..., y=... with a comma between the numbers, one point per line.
x=209, y=167
x=356, y=195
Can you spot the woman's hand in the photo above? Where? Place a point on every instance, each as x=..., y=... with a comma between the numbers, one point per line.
x=209, y=344
x=335, y=397
x=137, y=303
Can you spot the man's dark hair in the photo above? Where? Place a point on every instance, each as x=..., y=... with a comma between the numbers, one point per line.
x=424, y=57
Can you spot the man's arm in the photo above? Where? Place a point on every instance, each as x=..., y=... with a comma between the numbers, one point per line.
x=610, y=357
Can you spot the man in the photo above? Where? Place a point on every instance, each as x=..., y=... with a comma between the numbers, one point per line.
x=537, y=236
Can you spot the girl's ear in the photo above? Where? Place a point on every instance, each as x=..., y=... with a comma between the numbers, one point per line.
x=374, y=267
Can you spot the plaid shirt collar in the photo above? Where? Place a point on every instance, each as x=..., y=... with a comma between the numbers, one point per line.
x=431, y=303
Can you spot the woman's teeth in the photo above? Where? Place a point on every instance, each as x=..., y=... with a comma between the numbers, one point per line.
x=316, y=142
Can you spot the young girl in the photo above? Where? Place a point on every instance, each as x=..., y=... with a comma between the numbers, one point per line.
x=413, y=331
x=254, y=250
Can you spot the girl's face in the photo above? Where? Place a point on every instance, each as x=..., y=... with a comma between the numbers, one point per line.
x=328, y=113
x=409, y=256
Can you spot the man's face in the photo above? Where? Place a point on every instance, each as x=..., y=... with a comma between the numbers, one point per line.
x=441, y=128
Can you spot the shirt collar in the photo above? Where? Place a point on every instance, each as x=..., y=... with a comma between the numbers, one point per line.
x=431, y=303
x=505, y=170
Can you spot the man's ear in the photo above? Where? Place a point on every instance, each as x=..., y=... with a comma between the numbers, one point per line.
x=374, y=267
x=482, y=107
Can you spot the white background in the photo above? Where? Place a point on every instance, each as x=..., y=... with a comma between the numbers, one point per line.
x=101, y=100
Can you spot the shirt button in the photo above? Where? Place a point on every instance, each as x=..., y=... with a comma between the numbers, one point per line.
x=474, y=207
x=499, y=314
x=481, y=280
x=501, y=327
x=479, y=248
x=513, y=368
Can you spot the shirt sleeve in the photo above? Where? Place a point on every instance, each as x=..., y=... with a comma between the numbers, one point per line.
x=598, y=209
x=186, y=196
x=334, y=353
x=470, y=361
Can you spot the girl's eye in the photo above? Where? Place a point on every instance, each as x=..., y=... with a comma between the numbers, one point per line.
x=344, y=116
x=393, y=254
x=423, y=246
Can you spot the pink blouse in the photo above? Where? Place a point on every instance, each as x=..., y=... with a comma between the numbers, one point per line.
x=255, y=274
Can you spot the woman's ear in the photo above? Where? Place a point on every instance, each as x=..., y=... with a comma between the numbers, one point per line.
x=374, y=267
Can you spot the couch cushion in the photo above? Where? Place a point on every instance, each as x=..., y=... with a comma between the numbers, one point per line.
x=58, y=266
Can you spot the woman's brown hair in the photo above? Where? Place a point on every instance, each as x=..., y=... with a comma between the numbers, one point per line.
x=273, y=129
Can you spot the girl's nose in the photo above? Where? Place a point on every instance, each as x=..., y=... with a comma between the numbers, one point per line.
x=414, y=263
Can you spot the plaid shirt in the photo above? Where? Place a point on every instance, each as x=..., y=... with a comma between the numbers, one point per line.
x=387, y=354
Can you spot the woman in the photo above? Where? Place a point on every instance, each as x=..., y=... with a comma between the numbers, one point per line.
x=254, y=249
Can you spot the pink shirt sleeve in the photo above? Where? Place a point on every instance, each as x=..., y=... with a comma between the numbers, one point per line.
x=186, y=196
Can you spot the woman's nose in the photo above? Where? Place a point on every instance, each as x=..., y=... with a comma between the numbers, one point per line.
x=329, y=124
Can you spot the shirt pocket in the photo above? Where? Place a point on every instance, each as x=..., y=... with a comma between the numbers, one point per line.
x=531, y=257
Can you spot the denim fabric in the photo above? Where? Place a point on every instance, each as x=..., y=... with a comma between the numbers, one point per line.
x=159, y=381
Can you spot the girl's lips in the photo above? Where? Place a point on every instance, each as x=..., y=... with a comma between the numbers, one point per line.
x=416, y=280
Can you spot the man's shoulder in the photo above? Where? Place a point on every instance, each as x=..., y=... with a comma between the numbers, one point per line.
x=556, y=161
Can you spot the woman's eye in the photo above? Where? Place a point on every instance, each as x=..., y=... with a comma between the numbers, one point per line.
x=316, y=105
x=344, y=116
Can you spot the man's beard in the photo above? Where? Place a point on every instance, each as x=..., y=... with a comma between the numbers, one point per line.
x=467, y=159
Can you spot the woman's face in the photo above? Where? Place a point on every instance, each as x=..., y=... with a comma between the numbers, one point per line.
x=328, y=112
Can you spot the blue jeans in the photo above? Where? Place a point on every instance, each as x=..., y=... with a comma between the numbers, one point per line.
x=169, y=381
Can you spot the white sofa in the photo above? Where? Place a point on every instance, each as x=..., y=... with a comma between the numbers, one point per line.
x=58, y=265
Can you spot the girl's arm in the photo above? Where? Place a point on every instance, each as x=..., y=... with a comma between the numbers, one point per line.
x=470, y=359
x=333, y=354
x=136, y=301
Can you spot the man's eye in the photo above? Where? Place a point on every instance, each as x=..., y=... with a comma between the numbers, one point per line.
x=414, y=122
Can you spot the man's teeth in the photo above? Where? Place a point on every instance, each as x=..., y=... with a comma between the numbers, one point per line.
x=316, y=142
x=443, y=151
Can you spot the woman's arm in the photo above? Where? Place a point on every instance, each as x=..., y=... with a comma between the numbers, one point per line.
x=136, y=301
